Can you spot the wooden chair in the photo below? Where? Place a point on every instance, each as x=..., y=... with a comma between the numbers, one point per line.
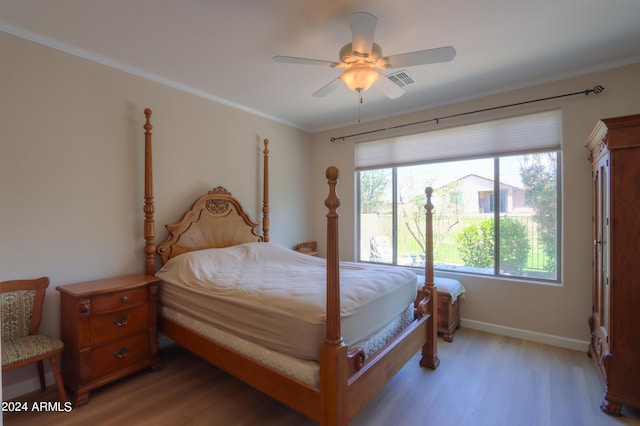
x=21, y=312
x=309, y=247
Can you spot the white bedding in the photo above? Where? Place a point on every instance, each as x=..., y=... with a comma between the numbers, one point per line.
x=276, y=297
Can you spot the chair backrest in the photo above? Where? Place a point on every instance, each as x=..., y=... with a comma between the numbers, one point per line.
x=307, y=246
x=381, y=248
x=21, y=308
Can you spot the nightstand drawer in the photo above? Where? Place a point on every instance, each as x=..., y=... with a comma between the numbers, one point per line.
x=117, y=324
x=120, y=354
x=118, y=300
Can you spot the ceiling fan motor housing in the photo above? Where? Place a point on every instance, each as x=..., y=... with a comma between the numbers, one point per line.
x=348, y=56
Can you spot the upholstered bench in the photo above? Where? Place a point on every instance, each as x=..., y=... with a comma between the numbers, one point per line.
x=450, y=294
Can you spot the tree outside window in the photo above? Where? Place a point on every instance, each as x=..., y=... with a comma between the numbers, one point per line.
x=520, y=239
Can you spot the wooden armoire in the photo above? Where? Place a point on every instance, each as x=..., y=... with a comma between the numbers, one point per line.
x=614, y=147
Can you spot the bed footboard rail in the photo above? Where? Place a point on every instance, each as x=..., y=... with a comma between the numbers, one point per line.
x=344, y=390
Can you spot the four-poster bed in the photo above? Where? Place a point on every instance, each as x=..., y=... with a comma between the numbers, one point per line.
x=330, y=383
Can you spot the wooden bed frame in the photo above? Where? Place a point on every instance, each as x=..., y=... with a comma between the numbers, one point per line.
x=348, y=380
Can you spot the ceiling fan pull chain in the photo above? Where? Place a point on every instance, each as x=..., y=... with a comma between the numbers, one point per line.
x=359, y=106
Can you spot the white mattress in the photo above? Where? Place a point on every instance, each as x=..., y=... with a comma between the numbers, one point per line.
x=302, y=370
x=275, y=297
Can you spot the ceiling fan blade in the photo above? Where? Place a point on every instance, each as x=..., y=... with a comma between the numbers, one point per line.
x=388, y=87
x=363, y=27
x=303, y=61
x=328, y=88
x=421, y=57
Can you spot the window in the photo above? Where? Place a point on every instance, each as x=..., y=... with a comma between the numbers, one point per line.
x=496, y=200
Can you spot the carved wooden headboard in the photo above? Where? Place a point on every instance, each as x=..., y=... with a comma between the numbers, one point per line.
x=215, y=220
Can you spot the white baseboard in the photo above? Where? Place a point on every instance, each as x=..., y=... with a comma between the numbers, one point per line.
x=26, y=386
x=163, y=341
x=534, y=336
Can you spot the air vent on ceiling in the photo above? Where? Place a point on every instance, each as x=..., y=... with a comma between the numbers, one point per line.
x=401, y=78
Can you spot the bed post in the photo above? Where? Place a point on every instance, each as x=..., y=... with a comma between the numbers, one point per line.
x=333, y=354
x=149, y=209
x=430, y=349
x=265, y=193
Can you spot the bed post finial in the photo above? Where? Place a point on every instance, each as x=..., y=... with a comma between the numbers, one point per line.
x=430, y=349
x=265, y=193
x=428, y=247
x=333, y=354
x=149, y=209
x=333, y=271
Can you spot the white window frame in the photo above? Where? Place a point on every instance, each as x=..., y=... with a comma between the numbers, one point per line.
x=532, y=133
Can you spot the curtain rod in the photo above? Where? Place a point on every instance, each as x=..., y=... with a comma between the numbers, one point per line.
x=597, y=89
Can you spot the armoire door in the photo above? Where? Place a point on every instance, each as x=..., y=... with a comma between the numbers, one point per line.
x=601, y=312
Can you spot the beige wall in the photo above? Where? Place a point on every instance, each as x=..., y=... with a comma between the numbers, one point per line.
x=71, y=168
x=71, y=175
x=554, y=314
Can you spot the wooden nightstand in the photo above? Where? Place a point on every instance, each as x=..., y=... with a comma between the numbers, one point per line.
x=109, y=330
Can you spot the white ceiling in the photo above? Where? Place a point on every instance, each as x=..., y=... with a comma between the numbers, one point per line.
x=222, y=50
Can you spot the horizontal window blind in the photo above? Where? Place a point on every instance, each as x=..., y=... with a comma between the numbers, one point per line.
x=537, y=131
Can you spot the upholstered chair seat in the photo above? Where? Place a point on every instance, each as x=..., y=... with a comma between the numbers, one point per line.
x=28, y=347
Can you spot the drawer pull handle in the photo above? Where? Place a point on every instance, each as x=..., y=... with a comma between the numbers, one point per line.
x=121, y=320
x=122, y=352
x=125, y=298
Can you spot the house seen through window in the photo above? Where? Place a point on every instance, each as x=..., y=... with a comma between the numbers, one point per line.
x=495, y=214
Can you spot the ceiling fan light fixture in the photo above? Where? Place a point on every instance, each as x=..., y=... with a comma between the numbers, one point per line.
x=359, y=77
x=363, y=62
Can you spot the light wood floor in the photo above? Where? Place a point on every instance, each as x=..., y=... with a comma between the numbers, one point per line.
x=483, y=379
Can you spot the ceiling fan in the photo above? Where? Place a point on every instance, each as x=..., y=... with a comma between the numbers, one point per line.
x=362, y=59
